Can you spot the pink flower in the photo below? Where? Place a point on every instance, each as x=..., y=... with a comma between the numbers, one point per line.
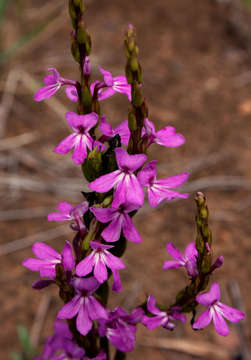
x=166, y=136
x=120, y=221
x=159, y=190
x=53, y=83
x=83, y=305
x=188, y=260
x=109, y=132
x=68, y=212
x=80, y=140
x=120, y=328
x=99, y=259
x=48, y=258
x=161, y=318
x=113, y=85
x=127, y=187
x=216, y=311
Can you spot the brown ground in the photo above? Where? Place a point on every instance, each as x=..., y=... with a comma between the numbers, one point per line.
x=197, y=61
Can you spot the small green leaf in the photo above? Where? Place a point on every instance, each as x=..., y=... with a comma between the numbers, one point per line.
x=24, y=338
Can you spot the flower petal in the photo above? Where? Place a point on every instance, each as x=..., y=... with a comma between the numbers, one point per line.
x=116, y=286
x=210, y=297
x=151, y=305
x=148, y=174
x=152, y=322
x=191, y=251
x=230, y=313
x=64, y=207
x=174, y=181
x=70, y=309
x=113, y=262
x=129, y=230
x=203, y=320
x=95, y=309
x=171, y=264
x=66, y=145
x=219, y=323
x=106, y=93
x=85, y=266
x=68, y=260
x=106, y=182
x=46, y=92
x=113, y=230
x=71, y=93
x=105, y=127
x=100, y=271
x=84, y=323
x=129, y=162
x=174, y=252
x=168, y=137
x=44, y=251
x=80, y=152
x=134, y=192
x=32, y=264
x=103, y=215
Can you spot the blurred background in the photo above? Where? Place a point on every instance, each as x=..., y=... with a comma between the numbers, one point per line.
x=196, y=59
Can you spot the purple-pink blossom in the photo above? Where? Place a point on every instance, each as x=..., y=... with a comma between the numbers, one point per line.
x=56, y=342
x=166, y=136
x=108, y=132
x=120, y=221
x=53, y=83
x=48, y=258
x=120, y=328
x=126, y=185
x=188, y=260
x=83, y=305
x=80, y=140
x=159, y=190
x=99, y=259
x=161, y=318
x=111, y=85
x=68, y=212
x=216, y=311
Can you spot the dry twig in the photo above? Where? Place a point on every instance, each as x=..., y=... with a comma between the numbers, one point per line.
x=39, y=319
x=27, y=241
x=8, y=98
x=21, y=214
x=197, y=348
x=65, y=186
x=14, y=142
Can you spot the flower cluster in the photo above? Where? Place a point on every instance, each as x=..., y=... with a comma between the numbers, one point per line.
x=115, y=162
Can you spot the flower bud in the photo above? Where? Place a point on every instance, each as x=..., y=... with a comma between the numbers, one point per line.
x=75, y=51
x=87, y=67
x=81, y=34
x=132, y=121
x=92, y=167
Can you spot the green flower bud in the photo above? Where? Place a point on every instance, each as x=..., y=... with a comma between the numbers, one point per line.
x=88, y=44
x=75, y=51
x=137, y=98
x=134, y=64
x=81, y=34
x=92, y=167
x=132, y=121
